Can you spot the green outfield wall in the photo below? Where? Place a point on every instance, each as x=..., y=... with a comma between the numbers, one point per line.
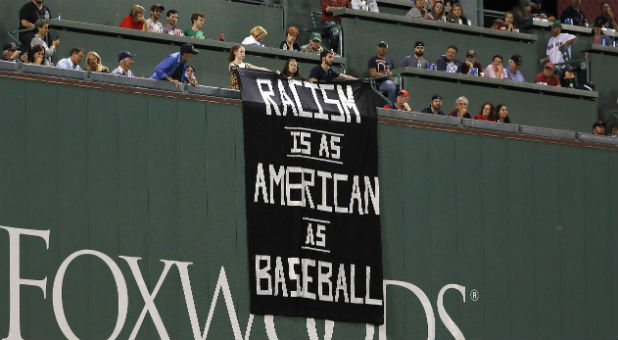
x=123, y=198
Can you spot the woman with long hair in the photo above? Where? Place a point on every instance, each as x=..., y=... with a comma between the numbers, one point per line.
x=487, y=112
x=456, y=15
x=290, y=43
x=40, y=38
x=93, y=63
x=256, y=35
x=291, y=69
x=236, y=61
x=437, y=11
x=36, y=55
x=190, y=73
x=503, y=114
x=135, y=19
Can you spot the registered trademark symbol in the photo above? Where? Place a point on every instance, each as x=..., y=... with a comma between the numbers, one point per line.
x=474, y=295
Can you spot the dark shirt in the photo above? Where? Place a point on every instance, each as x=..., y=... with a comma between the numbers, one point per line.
x=284, y=46
x=604, y=21
x=568, y=83
x=326, y=17
x=444, y=64
x=32, y=13
x=323, y=76
x=428, y=110
x=454, y=114
x=579, y=18
x=381, y=65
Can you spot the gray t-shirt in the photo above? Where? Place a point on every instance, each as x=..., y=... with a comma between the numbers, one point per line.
x=411, y=61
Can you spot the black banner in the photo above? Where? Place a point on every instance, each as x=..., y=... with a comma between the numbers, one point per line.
x=313, y=215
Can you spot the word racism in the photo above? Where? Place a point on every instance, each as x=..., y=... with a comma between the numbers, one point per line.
x=151, y=286
x=312, y=198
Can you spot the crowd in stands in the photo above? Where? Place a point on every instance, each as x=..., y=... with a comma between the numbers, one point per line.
x=36, y=49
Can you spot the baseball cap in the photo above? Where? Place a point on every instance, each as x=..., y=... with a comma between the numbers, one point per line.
x=556, y=24
x=403, y=93
x=125, y=54
x=157, y=6
x=383, y=43
x=517, y=59
x=315, y=36
x=10, y=46
x=471, y=53
x=419, y=43
x=550, y=65
x=436, y=96
x=598, y=123
x=188, y=48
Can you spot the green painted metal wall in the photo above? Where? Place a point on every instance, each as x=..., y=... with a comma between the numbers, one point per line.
x=530, y=226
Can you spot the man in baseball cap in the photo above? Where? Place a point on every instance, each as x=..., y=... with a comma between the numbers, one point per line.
x=559, y=45
x=513, y=71
x=403, y=98
x=380, y=66
x=435, y=105
x=547, y=76
x=598, y=128
x=10, y=52
x=416, y=60
x=153, y=24
x=174, y=66
x=315, y=44
x=125, y=62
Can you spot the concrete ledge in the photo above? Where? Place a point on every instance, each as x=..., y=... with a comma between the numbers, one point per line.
x=484, y=124
x=213, y=91
x=588, y=137
x=419, y=117
x=9, y=65
x=53, y=71
x=547, y=132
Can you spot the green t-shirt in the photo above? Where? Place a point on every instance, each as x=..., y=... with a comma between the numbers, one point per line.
x=191, y=33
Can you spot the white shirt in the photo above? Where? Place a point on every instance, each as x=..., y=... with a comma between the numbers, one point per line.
x=68, y=64
x=154, y=27
x=553, y=47
x=372, y=4
x=250, y=40
x=119, y=71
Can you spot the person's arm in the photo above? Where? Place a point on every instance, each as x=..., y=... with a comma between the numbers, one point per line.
x=253, y=67
x=544, y=59
x=176, y=82
x=342, y=76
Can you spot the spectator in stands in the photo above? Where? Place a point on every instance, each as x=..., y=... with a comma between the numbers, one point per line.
x=434, y=105
x=73, y=60
x=522, y=14
x=236, y=62
x=174, y=67
x=328, y=6
x=574, y=13
x=497, y=24
x=402, y=102
x=437, y=11
x=135, y=19
x=36, y=55
x=172, y=20
x=456, y=16
x=380, y=66
x=324, y=73
x=461, y=108
x=93, y=63
x=568, y=79
x=197, y=20
x=547, y=76
x=487, y=112
x=40, y=38
x=598, y=128
x=290, y=43
x=597, y=34
x=10, y=52
x=513, y=72
x=125, y=62
x=471, y=62
x=558, y=45
x=448, y=61
x=190, y=76
x=495, y=69
x=372, y=5
x=28, y=14
x=315, y=44
x=503, y=114
x=291, y=69
x=256, y=35
x=538, y=11
x=418, y=10
x=607, y=18
x=416, y=60
x=153, y=24
x=507, y=24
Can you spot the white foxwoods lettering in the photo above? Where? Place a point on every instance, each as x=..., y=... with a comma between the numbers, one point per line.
x=329, y=94
x=295, y=186
x=339, y=288
x=314, y=280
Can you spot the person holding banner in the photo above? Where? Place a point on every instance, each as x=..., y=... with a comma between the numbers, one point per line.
x=324, y=73
x=236, y=57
